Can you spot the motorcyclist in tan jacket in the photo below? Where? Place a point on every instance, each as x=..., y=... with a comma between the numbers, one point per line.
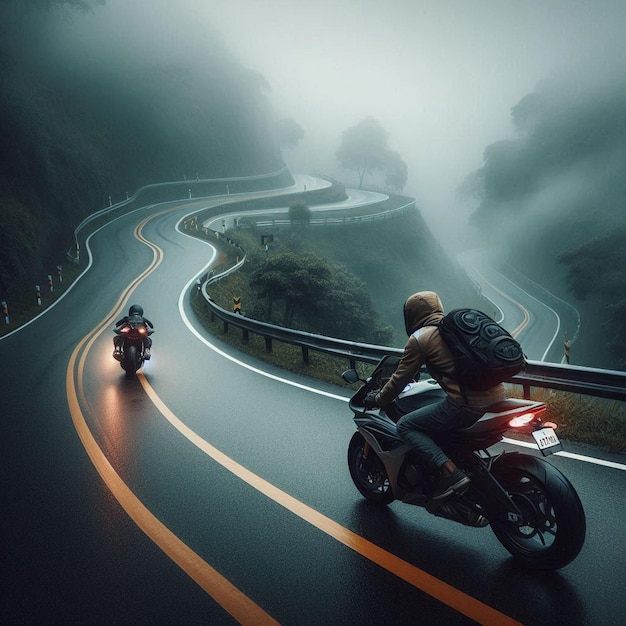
x=460, y=409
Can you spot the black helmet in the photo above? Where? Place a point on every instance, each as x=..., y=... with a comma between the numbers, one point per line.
x=135, y=311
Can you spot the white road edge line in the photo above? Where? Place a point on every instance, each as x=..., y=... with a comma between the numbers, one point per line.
x=187, y=322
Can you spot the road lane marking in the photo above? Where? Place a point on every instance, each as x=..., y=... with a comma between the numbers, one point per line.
x=244, y=610
x=436, y=588
x=229, y=597
x=321, y=392
x=568, y=455
x=525, y=314
x=191, y=562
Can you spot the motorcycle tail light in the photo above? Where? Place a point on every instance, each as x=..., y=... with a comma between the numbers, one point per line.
x=526, y=418
x=142, y=330
x=125, y=329
x=522, y=420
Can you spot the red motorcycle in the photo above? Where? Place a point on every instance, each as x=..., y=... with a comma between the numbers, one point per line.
x=133, y=349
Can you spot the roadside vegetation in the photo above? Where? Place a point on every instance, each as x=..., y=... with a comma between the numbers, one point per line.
x=583, y=419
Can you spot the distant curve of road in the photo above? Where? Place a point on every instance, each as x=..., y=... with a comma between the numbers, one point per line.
x=214, y=488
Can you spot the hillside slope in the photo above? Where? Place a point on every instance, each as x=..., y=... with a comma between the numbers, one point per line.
x=83, y=125
x=393, y=258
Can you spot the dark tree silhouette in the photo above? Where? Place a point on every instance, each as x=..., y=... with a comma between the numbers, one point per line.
x=364, y=149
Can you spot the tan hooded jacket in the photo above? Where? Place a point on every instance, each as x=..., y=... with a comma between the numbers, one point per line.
x=425, y=346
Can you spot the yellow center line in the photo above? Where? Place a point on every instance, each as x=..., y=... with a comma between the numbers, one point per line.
x=526, y=315
x=242, y=608
x=454, y=598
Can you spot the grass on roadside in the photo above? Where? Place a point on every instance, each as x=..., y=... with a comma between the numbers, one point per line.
x=580, y=418
x=321, y=366
x=584, y=419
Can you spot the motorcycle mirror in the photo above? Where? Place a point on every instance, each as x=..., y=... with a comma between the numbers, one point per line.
x=351, y=376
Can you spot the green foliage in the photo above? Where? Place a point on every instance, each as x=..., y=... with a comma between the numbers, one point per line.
x=297, y=282
x=347, y=311
x=549, y=196
x=299, y=213
x=80, y=128
x=394, y=258
x=596, y=273
x=335, y=303
x=374, y=267
x=396, y=171
x=597, y=267
x=585, y=419
x=364, y=149
x=17, y=253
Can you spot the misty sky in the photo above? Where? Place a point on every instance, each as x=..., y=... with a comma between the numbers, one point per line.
x=441, y=76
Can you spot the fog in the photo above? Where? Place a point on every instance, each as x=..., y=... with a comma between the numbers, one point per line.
x=442, y=77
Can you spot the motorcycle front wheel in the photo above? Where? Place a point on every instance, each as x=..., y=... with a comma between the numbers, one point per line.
x=368, y=472
x=552, y=529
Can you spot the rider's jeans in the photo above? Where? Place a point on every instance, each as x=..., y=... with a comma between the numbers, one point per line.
x=435, y=418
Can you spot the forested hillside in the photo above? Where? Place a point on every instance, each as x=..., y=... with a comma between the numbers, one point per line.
x=83, y=124
x=552, y=202
x=365, y=272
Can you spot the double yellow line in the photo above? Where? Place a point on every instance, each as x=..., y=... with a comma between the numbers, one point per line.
x=232, y=600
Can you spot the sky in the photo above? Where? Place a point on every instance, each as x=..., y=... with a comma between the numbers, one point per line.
x=441, y=76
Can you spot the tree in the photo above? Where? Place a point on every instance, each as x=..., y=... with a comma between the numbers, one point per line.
x=299, y=282
x=364, y=149
x=397, y=171
x=347, y=311
x=299, y=213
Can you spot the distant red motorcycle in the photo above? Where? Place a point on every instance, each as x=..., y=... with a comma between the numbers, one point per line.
x=132, y=343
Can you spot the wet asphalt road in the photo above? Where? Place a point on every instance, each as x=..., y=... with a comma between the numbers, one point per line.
x=72, y=552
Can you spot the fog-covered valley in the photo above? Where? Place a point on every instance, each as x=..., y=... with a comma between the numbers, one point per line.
x=510, y=120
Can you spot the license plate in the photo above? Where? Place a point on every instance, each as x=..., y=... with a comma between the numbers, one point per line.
x=547, y=441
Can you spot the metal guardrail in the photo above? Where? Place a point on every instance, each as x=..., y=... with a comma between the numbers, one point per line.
x=74, y=255
x=601, y=383
x=331, y=220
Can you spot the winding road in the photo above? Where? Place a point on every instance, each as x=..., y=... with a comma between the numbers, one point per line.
x=213, y=488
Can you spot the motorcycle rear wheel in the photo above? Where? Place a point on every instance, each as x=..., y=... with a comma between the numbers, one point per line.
x=368, y=472
x=130, y=362
x=552, y=531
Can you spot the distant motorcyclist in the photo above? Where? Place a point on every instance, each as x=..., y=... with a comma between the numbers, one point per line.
x=422, y=312
x=135, y=316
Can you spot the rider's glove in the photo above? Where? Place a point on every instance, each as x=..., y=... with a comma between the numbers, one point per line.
x=370, y=400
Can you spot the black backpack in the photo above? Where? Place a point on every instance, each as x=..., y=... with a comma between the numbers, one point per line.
x=485, y=354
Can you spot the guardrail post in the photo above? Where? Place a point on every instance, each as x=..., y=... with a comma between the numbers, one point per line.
x=305, y=355
x=268, y=344
x=526, y=392
x=246, y=335
x=352, y=363
x=225, y=326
